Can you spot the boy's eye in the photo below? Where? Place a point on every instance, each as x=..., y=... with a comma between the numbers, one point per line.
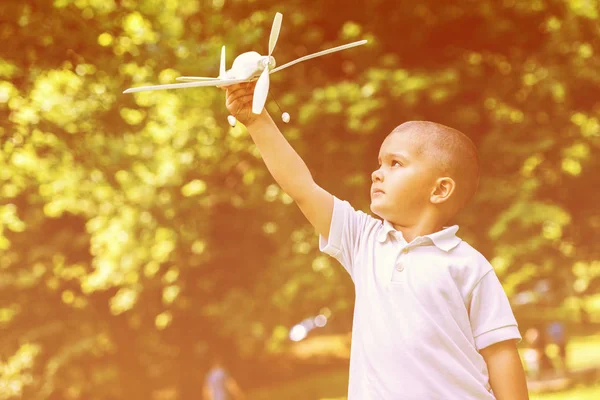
x=396, y=162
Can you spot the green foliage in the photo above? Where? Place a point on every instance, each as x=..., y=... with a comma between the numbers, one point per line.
x=139, y=233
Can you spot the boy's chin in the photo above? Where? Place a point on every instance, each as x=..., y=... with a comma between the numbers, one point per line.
x=377, y=211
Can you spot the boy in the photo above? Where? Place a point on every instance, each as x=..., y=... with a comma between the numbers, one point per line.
x=431, y=320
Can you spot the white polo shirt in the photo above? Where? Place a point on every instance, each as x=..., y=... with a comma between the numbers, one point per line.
x=423, y=310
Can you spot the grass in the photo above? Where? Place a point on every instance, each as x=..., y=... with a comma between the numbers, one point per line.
x=582, y=393
x=583, y=352
x=330, y=386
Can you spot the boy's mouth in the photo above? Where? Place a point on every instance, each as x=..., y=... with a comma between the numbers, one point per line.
x=376, y=191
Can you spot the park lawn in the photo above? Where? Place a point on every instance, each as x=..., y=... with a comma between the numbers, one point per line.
x=583, y=352
x=583, y=393
x=325, y=386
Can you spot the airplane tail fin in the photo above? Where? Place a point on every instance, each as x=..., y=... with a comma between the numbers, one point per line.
x=222, y=69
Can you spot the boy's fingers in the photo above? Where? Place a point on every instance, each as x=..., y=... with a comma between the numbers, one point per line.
x=228, y=88
x=238, y=102
x=239, y=96
x=236, y=86
x=239, y=90
x=233, y=95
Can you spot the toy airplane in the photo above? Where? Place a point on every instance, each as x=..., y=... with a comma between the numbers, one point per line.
x=247, y=67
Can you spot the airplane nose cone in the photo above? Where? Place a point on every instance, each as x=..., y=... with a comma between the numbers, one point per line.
x=267, y=62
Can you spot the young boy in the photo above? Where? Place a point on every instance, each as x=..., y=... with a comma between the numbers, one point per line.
x=431, y=320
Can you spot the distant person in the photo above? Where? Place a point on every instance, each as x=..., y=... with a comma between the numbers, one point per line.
x=557, y=334
x=540, y=344
x=219, y=385
x=431, y=319
x=531, y=353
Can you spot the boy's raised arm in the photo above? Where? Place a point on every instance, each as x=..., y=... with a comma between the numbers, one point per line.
x=282, y=161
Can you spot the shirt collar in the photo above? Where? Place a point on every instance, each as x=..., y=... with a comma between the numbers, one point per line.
x=445, y=239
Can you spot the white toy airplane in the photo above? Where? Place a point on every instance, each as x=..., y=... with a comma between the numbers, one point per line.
x=247, y=67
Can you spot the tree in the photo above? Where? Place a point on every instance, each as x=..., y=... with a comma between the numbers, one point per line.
x=139, y=233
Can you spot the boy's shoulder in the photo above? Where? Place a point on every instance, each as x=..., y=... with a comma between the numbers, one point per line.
x=466, y=250
x=467, y=264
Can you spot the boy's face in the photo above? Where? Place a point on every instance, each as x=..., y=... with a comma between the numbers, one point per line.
x=401, y=188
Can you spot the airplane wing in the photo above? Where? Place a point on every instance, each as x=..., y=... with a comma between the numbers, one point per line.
x=214, y=82
x=195, y=78
x=318, y=54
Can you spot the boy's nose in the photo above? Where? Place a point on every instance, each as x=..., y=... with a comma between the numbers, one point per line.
x=377, y=176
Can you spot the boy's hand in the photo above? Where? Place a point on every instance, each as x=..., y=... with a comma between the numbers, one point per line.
x=239, y=102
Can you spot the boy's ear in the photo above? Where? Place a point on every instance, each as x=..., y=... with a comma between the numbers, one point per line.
x=443, y=189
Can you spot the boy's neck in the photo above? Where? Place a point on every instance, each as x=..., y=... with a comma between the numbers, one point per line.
x=422, y=228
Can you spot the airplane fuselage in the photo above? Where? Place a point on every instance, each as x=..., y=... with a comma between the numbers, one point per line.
x=249, y=65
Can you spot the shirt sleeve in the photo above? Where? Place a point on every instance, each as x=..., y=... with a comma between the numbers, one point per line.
x=345, y=231
x=492, y=319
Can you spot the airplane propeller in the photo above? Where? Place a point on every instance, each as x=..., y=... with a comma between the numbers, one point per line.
x=262, y=86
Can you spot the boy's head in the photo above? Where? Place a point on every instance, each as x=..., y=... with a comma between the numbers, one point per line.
x=426, y=170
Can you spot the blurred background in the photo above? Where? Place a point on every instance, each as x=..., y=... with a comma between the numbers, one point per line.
x=141, y=237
